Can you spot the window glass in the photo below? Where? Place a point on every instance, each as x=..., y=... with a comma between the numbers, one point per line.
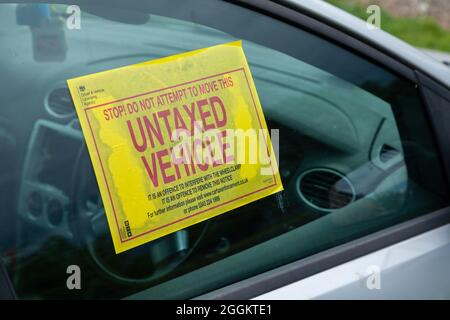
x=355, y=150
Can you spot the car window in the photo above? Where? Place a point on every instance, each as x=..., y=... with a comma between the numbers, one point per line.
x=355, y=151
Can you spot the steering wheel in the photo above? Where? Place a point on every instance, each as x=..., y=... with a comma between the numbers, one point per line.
x=140, y=265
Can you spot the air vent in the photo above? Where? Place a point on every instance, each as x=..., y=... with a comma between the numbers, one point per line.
x=325, y=190
x=387, y=153
x=59, y=103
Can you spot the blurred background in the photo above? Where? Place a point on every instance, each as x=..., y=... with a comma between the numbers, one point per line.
x=422, y=23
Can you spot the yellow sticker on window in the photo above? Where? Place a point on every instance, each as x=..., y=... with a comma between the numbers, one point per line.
x=175, y=141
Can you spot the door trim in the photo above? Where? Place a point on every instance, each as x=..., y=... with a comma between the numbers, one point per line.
x=301, y=269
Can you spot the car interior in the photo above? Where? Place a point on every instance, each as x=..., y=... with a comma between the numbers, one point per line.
x=367, y=168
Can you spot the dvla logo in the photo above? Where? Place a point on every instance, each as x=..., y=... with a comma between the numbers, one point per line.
x=74, y=279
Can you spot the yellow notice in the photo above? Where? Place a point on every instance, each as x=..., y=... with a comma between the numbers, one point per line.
x=175, y=141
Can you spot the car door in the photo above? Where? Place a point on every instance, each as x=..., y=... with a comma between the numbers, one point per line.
x=357, y=148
